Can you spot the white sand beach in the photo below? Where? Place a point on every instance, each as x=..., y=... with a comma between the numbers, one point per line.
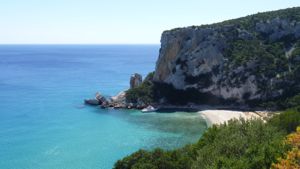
x=221, y=116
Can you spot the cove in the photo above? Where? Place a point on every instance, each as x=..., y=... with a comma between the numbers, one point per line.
x=44, y=123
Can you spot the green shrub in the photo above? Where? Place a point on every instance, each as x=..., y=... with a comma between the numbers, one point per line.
x=238, y=144
x=143, y=93
x=293, y=101
x=287, y=120
x=296, y=51
x=157, y=159
x=283, y=103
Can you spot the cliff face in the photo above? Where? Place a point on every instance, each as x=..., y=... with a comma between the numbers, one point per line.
x=247, y=59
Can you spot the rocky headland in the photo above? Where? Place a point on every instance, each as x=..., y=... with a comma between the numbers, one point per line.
x=250, y=62
x=119, y=100
x=234, y=61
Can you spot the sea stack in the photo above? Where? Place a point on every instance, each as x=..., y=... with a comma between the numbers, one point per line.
x=135, y=80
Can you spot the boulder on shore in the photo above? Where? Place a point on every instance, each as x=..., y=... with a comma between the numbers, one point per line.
x=119, y=101
x=98, y=100
x=93, y=102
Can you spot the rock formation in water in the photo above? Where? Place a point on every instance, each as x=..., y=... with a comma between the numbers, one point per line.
x=135, y=80
x=246, y=60
x=119, y=100
x=98, y=100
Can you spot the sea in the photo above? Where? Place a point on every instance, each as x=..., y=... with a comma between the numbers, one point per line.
x=45, y=125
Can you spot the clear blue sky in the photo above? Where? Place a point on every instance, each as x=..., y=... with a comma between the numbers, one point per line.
x=115, y=21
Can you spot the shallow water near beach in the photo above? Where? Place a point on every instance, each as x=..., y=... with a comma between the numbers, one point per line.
x=43, y=123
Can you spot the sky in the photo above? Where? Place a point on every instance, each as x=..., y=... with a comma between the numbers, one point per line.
x=115, y=21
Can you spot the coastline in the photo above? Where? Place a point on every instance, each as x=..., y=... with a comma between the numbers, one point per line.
x=213, y=115
x=217, y=117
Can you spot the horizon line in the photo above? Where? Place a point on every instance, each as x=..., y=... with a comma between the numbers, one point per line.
x=79, y=43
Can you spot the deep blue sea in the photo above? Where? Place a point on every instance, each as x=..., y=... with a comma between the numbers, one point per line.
x=45, y=125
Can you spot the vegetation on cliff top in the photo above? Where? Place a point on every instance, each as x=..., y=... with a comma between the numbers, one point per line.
x=273, y=61
x=249, y=22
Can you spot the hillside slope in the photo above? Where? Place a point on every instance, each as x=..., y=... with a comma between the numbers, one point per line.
x=245, y=61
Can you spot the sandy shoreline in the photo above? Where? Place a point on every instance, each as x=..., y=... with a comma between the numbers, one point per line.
x=220, y=116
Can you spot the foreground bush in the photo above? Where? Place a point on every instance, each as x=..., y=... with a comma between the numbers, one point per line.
x=238, y=144
x=292, y=158
x=158, y=159
x=287, y=120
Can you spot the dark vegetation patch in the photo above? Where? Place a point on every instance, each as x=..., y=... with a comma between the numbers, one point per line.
x=270, y=57
x=182, y=63
x=288, y=40
x=246, y=96
x=143, y=93
x=174, y=70
x=289, y=120
x=203, y=80
x=182, y=97
x=151, y=92
x=281, y=103
x=216, y=70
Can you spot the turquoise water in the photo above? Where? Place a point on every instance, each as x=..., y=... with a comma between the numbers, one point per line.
x=43, y=123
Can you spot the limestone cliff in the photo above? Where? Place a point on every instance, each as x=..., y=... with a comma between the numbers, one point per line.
x=242, y=60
